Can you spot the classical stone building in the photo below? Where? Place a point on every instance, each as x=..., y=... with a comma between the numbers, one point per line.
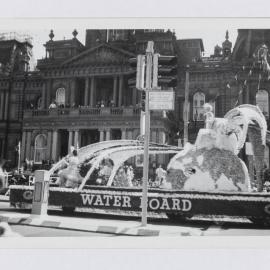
x=17, y=84
x=233, y=75
x=92, y=86
x=93, y=89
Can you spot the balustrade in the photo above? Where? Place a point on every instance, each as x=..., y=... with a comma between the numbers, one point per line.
x=84, y=111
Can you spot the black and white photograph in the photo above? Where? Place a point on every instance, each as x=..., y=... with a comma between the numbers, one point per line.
x=134, y=132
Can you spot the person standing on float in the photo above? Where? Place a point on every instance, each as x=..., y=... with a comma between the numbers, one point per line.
x=70, y=176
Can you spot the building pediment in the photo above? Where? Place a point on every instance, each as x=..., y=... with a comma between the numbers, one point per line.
x=101, y=55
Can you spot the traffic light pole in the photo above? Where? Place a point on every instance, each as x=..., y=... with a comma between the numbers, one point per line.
x=148, y=84
x=148, y=63
x=186, y=107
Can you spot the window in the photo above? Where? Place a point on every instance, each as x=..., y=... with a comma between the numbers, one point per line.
x=60, y=96
x=198, y=102
x=40, y=148
x=262, y=101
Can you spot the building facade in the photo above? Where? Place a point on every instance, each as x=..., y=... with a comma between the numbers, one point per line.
x=88, y=93
x=232, y=76
x=85, y=93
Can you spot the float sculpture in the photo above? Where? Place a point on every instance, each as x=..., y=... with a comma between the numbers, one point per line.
x=212, y=164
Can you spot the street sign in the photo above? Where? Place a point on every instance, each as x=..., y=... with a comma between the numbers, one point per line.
x=161, y=100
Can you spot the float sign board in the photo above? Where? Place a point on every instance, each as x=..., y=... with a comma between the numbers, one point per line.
x=161, y=100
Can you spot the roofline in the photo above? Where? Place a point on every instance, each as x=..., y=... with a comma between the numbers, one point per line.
x=186, y=39
x=93, y=49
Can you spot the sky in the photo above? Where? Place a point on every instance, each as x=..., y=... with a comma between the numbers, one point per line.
x=210, y=37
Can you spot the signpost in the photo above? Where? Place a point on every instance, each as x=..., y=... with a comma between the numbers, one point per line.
x=155, y=99
x=161, y=100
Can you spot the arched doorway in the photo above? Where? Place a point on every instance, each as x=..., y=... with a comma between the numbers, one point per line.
x=40, y=148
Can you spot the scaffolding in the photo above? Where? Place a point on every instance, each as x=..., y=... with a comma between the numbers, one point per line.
x=16, y=36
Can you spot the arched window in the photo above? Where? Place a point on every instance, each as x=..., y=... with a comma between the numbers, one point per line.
x=40, y=148
x=198, y=102
x=262, y=101
x=60, y=96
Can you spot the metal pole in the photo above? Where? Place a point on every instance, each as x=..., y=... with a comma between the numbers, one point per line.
x=149, y=63
x=19, y=156
x=186, y=111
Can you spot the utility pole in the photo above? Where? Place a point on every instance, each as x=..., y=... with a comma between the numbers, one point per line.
x=186, y=106
x=150, y=82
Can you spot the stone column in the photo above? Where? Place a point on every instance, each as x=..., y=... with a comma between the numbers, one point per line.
x=48, y=93
x=6, y=105
x=129, y=134
x=108, y=134
x=70, y=139
x=49, y=145
x=161, y=136
x=43, y=97
x=92, y=90
x=123, y=135
x=154, y=136
x=23, y=145
x=2, y=106
x=86, y=92
x=28, y=145
x=120, y=97
x=247, y=94
x=115, y=90
x=76, y=139
x=101, y=135
x=241, y=95
x=134, y=96
x=72, y=92
x=55, y=145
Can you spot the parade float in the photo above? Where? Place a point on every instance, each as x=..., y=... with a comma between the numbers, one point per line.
x=206, y=178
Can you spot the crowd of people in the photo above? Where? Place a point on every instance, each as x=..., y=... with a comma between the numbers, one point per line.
x=99, y=104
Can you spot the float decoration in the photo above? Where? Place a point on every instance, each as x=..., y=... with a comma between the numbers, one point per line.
x=211, y=164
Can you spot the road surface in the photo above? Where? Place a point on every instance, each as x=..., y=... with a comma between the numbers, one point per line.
x=217, y=227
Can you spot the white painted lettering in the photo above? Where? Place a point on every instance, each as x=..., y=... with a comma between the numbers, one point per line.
x=107, y=199
x=176, y=204
x=87, y=198
x=98, y=200
x=126, y=201
x=117, y=201
x=186, y=205
x=165, y=204
x=156, y=204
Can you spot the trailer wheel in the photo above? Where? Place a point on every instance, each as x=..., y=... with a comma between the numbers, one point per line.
x=265, y=222
x=177, y=217
x=68, y=209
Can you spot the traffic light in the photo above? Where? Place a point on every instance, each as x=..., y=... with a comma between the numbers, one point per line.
x=143, y=100
x=155, y=71
x=140, y=72
x=167, y=71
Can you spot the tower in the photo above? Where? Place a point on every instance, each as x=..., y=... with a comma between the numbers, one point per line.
x=226, y=46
